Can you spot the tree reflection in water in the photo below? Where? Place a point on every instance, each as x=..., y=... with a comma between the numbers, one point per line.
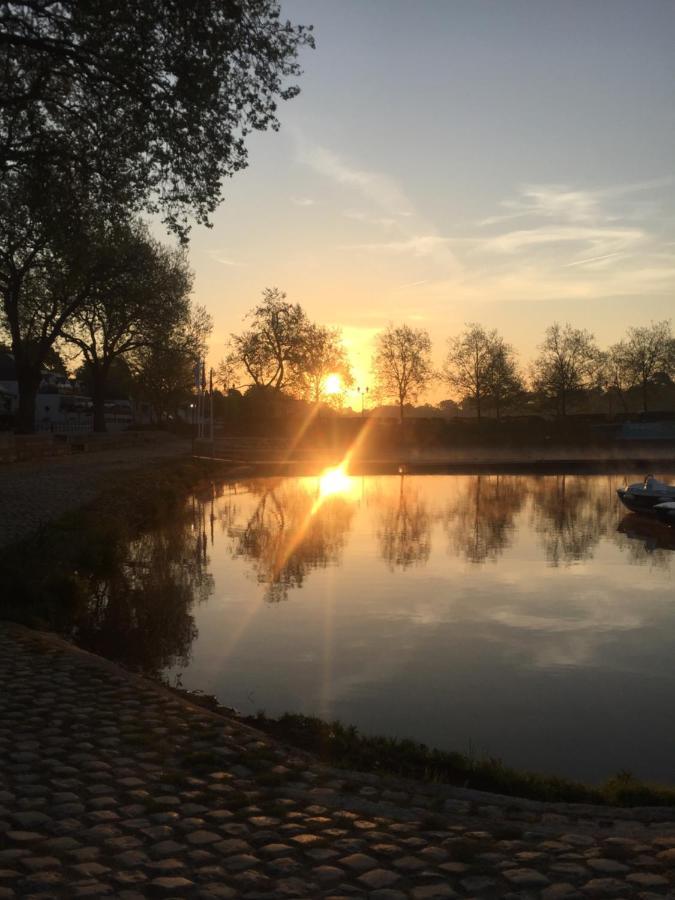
x=139, y=613
x=572, y=513
x=404, y=526
x=292, y=530
x=479, y=518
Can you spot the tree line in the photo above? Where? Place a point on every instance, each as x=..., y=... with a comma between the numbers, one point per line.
x=482, y=369
x=109, y=111
x=281, y=350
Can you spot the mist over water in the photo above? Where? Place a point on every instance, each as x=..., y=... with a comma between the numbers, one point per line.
x=527, y=617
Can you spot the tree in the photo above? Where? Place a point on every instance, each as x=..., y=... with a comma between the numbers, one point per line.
x=402, y=363
x=505, y=384
x=110, y=108
x=322, y=354
x=481, y=366
x=47, y=270
x=647, y=352
x=148, y=284
x=164, y=370
x=274, y=344
x=568, y=363
x=154, y=100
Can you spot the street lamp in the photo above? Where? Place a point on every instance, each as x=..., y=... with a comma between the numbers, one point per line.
x=362, y=392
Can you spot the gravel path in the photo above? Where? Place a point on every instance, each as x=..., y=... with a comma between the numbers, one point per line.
x=33, y=493
x=113, y=786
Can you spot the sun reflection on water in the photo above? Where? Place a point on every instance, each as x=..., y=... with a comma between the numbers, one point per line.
x=334, y=481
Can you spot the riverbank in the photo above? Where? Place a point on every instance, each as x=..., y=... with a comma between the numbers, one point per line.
x=112, y=785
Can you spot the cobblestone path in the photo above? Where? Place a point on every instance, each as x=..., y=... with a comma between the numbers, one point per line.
x=112, y=786
x=33, y=493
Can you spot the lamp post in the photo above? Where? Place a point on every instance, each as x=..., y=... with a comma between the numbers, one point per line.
x=362, y=392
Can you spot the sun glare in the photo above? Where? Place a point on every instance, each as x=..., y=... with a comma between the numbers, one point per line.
x=333, y=384
x=334, y=481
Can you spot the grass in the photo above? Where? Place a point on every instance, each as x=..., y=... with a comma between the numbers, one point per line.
x=343, y=746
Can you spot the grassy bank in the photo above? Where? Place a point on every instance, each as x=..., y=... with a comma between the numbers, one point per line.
x=344, y=746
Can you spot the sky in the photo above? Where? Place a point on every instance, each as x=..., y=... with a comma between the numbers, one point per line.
x=508, y=162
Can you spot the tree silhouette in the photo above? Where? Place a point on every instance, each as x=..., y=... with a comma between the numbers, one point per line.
x=402, y=364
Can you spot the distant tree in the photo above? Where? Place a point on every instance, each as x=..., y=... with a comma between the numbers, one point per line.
x=145, y=294
x=646, y=354
x=322, y=354
x=481, y=366
x=569, y=362
x=272, y=348
x=402, y=364
x=505, y=384
x=153, y=100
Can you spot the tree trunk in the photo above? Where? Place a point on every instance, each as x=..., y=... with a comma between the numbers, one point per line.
x=400, y=411
x=644, y=395
x=28, y=379
x=99, y=378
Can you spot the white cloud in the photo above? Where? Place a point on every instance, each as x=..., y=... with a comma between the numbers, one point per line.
x=376, y=186
x=416, y=245
x=601, y=240
x=303, y=201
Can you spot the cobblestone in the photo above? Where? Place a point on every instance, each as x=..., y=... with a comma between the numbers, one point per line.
x=112, y=786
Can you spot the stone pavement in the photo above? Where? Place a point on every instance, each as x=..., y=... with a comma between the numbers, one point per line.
x=110, y=785
x=33, y=493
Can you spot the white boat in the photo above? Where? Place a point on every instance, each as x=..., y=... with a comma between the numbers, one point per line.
x=644, y=496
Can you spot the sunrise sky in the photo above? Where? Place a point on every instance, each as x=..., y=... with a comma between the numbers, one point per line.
x=510, y=163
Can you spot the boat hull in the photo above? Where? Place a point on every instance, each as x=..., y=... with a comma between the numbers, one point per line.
x=639, y=502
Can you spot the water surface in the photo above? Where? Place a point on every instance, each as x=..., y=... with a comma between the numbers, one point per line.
x=527, y=617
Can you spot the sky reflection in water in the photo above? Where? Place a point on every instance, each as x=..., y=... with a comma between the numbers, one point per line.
x=528, y=617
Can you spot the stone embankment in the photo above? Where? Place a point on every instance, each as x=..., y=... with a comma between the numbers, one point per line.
x=35, y=492
x=111, y=785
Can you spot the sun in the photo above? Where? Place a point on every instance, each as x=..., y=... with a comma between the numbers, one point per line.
x=333, y=384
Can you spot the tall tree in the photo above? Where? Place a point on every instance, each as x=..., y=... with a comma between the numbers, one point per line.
x=569, y=362
x=402, y=363
x=647, y=352
x=155, y=100
x=481, y=366
x=110, y=108
x=149, y=284
x=273, y=346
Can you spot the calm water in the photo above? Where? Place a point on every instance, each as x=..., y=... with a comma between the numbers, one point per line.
x=528, y=617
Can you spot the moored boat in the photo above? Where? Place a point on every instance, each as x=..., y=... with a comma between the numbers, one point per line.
x=644, y=496
x=666, y=512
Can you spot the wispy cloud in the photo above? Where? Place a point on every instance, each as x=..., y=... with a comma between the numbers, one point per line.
x=219, y=257
x=601, y=240
x=376, y=186
x=555, y=201
x=303, y=201
x=416, y=245
x=359, y=215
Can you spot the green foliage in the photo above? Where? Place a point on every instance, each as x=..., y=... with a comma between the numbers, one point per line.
x=344, y=746
x=152, y=101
